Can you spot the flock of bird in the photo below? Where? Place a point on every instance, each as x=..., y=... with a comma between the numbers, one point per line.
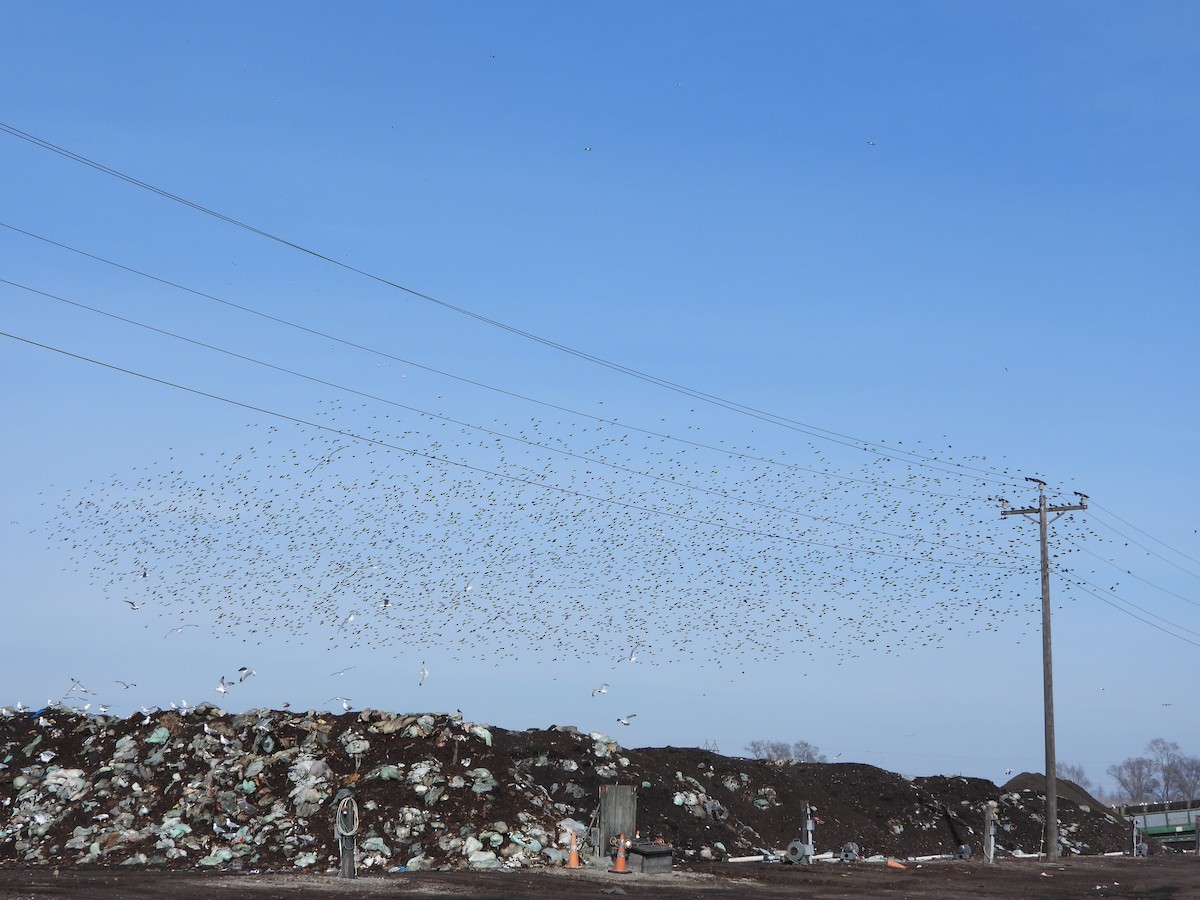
x=574, y=541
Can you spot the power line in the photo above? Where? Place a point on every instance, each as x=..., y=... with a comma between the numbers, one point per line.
x=753, y=412
x=489, y=472
x=1169, y=562
x=1125, y=571
x=479, y=384
x=1147, y=534
x=1084, y=585
x=490, y=432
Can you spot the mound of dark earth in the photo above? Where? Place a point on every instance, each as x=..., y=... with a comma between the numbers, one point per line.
x=259, y=790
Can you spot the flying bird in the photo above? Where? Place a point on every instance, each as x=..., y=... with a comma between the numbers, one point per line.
x=603, y=689
x=223, y=686
x=624, y=720
x=179, y=629
x=890, y=563
x=245, y=672
x=341, y=672
x=424, y=673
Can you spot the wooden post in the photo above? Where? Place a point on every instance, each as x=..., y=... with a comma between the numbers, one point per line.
x=1051, y=833
x=618, y=813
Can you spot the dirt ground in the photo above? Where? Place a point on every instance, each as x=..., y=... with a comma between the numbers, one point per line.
x=1159, y=877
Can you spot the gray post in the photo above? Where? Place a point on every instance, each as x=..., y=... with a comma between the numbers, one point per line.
x=810, y=840
x=989, y=832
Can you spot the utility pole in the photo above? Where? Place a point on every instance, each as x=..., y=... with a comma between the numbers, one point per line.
x=1041, y=511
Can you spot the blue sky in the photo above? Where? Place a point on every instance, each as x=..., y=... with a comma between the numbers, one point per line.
x=965, y=231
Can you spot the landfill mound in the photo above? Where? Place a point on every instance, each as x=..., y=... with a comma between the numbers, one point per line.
x=1067, y=789
x=260, y=790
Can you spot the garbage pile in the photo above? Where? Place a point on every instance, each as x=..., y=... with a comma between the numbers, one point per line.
x=259, y=790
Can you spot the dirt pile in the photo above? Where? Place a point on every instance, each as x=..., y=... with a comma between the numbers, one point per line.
x=259, y=790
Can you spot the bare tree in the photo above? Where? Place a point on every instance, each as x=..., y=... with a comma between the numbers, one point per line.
x=760, y=749
x=1187, y=776
x=1136, y=780
x=1073, y=772
x=1166, y=756
x=803, y=751
x=800, y=751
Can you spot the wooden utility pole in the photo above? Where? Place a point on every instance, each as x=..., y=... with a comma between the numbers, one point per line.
x=1041, y=511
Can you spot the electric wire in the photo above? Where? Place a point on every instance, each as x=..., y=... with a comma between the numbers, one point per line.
x=1095, y=590
x=490, y=432
x=981, y=474
x=296, y=420
x=1136, y=543
x=1130, y=573
x=749, y=457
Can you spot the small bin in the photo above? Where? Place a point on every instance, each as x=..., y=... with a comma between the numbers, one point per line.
x=651, y=859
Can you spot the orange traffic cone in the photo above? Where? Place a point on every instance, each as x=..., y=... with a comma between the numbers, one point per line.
x=620, y=868
x=573, y=859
